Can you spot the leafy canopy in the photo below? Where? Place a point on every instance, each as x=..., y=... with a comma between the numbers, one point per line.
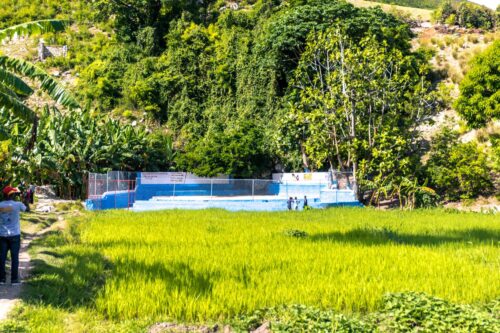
x=356, y=104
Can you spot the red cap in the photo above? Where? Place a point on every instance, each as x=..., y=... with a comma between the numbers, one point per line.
x=8, y=190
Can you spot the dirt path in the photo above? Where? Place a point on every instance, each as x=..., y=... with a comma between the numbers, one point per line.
x=9, y=294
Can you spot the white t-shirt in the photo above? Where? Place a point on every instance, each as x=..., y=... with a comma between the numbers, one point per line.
x=9, y=221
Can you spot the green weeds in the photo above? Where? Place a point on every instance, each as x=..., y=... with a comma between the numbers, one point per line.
x=400, y=312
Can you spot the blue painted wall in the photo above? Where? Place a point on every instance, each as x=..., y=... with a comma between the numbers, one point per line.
x=318, y=194
x=111, y=200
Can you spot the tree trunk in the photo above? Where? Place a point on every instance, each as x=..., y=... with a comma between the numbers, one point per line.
x=33, y=137
x=305, y=161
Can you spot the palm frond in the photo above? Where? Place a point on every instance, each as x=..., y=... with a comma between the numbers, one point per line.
x=55, y=90
x=6, y=90
x=32, y=28
x=14, y=83
x=16, y=107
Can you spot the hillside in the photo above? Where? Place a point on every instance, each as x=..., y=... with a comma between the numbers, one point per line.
x=227, y=87
x=417, y=13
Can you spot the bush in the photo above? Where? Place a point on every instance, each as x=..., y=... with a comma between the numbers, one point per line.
x=401, y=312
x=465, y=14
x=458, y=170
x=404, y=312
x=479, y=99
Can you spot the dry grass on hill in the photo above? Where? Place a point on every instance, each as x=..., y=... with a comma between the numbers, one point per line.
x=416, y=13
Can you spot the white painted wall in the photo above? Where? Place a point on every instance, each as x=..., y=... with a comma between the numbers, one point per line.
x=488, y=3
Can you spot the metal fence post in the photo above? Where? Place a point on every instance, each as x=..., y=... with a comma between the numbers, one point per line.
x=173, y=193
x=253, y=187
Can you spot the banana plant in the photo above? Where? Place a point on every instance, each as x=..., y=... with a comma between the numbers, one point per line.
x=69, y=144
x=14, y=90
x=72, y=144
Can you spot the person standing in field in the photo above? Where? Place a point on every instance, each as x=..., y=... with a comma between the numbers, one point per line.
x=306, y=206
x=289, y=203
x=296, y=204
x=10, y=233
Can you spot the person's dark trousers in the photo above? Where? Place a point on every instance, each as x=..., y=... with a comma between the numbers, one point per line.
x=12, y=244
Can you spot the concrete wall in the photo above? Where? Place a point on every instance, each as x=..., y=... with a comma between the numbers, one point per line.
x=46, y=51
x=111, y=200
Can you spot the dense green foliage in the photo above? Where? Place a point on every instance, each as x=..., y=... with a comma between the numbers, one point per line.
x=16, y=75
x=117, y=267
x=466, y=14
x=49, y=147
x=235, y=90
x=458, y=170
x=401, y=312
x=13, y=12
x=69, y=146
x=479, y=100
x=221, y=84
x=356, y=105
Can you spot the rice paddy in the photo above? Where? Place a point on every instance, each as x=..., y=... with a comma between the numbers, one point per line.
x=213, y=265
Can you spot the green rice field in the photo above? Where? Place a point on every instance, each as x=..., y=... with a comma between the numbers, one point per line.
x=213, y=265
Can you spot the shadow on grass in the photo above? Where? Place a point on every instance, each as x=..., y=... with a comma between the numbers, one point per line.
x=36, y=223
x=72, y=276
x=176, y=276
x=69, y=279
x=381, y=236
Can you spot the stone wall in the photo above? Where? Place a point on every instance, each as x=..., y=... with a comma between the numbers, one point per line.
x=46, y=51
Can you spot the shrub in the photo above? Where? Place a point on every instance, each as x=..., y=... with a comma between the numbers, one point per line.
x=401, y=312
x=451, y=20
x=479, y=99
x=454, y=75
x=448, y=40
x=474, y=39
x=458, y=170
x=465, y=14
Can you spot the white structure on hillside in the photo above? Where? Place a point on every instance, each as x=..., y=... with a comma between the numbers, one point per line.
x=46, y=51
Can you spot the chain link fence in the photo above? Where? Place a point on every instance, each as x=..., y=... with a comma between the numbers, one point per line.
x=113, y=181
x=118, y=189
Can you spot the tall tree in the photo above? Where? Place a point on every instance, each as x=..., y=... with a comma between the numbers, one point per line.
x=357, y=104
